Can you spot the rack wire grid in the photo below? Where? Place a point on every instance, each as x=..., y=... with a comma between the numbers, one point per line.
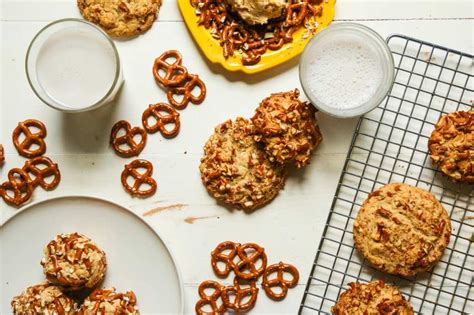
x=390, y=145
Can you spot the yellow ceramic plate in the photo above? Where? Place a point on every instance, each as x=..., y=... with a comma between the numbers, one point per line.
x=213, y=51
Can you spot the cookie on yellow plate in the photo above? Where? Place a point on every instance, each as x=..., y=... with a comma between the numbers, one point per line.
x=401, y=229
x=121, y=18
x=236, y=170
x=451, y=145
x=372, y=298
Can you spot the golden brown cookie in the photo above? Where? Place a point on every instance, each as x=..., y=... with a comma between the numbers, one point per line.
x=401, y=229
x=43, y=299
x=109, y=302
x=121, y=18
x=451, y=146
x=73, y=262
x=372, y=298
x=236, y=170
x=287, y=127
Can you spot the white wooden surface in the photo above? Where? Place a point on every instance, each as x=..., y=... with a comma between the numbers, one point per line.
x=291, y=226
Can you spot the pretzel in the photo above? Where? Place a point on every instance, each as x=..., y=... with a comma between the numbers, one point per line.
x=237, y=36
x=174, y=73
x=40, y=174
x=246, y=268
x=172, y=117
x=18, y=184
x=279, y=281
x=24, y=147
x=186, y=90
x=2, y=155
x=240, y=294
x=133, y=148
x=217, y=255
x=296, y=13
x=210, y=300
x=139, y=178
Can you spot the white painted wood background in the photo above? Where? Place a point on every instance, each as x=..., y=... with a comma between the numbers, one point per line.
x=291, y=226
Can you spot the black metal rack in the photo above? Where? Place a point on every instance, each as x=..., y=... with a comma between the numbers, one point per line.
x=390, y=145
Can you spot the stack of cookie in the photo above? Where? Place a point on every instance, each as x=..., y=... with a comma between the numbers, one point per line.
x=73, y=265
x=245, y=161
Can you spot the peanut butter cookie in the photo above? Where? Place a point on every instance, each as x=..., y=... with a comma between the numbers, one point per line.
x=401, y=229
x=451, y=146
x=73, y=262
x=121, y=18
x=236, y=170
x=43, y=299
x=372, y=298
x=287, y=127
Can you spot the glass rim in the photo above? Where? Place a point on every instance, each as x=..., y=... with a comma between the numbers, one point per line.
x=117, y=65
x=386, y=84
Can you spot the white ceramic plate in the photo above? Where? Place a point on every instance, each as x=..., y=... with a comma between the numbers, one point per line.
x=137, y=258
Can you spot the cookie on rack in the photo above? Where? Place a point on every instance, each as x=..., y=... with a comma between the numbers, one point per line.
x=401, y=229
x=372, y=298
x=121, y=18
x=287, y=127
x=74, y=262
x=235, y=170
x=43, y=299
x=451, y=146
x=107, y=301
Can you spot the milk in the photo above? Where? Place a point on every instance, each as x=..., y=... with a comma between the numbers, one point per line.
x=343, y=73
x=76, y=67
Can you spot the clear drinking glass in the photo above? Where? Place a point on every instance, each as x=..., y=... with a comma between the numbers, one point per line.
x=73, y=66
x=346, y=70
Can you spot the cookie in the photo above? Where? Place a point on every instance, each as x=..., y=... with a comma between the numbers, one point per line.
x=235, y=169
x=121, y=18
x=43, y=299
x=372, y=298
x=74, y=262
x=109, y=302
x=287, y=127
x=401, y=229
x=451, y=146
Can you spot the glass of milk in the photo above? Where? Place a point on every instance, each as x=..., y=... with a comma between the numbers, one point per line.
x=73, y=66
x=346, y=70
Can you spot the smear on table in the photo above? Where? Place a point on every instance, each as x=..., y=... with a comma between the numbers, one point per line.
x=191, y=220
x=156, y=210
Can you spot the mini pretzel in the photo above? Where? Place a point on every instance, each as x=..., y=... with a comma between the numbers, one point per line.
x=40, y=174
x=140, y=178
x=2, y=155
x=175, y=73
x=246, y=268
x=172, y=117
x=279, y=281
x=240, y=294
x=19, y=185
x=24, y=147
x=217, y=255
x=133, y=148
x=186, y=90
x=296, y=13
x=211, y=299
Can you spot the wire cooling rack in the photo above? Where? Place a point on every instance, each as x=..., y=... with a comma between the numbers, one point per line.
x=390, y=145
